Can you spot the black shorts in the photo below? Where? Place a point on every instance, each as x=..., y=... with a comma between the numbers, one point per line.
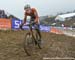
x=35, y=25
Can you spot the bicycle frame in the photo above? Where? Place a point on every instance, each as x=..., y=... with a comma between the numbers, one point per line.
x=32, y=36
x=31, y=29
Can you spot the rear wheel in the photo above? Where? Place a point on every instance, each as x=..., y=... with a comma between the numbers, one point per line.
x=38, y=40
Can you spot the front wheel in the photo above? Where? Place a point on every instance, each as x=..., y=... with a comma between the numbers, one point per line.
x=29, y=44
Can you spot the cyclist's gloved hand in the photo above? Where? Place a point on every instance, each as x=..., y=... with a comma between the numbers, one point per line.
x=21, y=27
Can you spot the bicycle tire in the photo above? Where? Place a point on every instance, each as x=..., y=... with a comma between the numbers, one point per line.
x=28, y=51
x=37, y=39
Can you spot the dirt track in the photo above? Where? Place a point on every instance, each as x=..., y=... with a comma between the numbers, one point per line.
x=11, y=47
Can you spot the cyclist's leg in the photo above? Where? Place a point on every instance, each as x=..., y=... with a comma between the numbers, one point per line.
x=37, y=28
x=31, y=31
x=30, y=27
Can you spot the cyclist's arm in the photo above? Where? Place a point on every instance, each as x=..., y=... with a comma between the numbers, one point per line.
x=25, y=17
x=36, y=14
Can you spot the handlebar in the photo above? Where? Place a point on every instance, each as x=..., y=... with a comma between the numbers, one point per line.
x=27, y=25
x=30, y=24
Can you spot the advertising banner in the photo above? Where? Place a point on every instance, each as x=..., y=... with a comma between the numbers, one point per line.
x=45, y=28
x=5, y=24
x=55, y=30
x=16, y=24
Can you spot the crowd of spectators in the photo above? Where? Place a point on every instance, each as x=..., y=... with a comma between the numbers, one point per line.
x=2, y=14
x=6, y=15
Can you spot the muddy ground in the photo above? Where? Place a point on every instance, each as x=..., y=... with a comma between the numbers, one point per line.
x=11, y=46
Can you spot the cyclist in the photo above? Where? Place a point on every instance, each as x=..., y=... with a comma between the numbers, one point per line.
x=33, y=18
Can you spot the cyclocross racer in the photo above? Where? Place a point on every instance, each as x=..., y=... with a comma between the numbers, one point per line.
x=33, y=18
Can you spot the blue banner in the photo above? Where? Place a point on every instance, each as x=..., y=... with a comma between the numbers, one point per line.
x=45, y=28
x=16, y=24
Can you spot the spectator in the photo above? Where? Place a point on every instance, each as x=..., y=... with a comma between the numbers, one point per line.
x=2, y=14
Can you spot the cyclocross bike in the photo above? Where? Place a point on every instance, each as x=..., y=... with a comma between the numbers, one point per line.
x=31, y=41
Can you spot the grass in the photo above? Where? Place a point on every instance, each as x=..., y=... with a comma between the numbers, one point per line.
x=11, y=47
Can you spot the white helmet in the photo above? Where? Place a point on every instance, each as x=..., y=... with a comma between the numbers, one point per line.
x=27, y=6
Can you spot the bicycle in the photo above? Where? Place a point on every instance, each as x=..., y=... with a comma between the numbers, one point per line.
x=30, y=41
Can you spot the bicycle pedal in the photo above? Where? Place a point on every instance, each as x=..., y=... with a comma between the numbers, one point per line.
x=39, y=41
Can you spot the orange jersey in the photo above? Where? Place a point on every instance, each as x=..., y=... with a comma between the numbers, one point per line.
x=33, y=14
